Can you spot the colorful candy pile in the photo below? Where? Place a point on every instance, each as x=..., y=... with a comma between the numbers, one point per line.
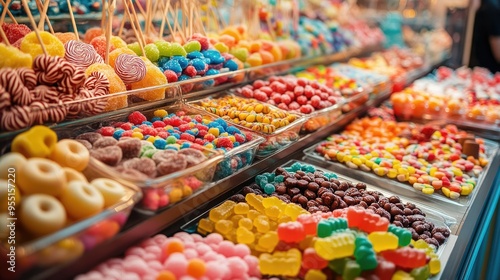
x=35, y=96
x=259, y=117
x=330, y=78
x=290, y=243
x=52, y=193
x=465, y=93
x=183, y=256
x=429, y=158
x=293, y=94
x=319, y=191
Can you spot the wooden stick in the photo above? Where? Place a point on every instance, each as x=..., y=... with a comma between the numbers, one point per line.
x=141, y=9
x=168, y=13
x=176, y=22
x=70, y=8
x=6, y=11
x=137, y=23
x=164, y=18
x=43, y=15
x=127, y=11
x=109, y=26
x=154, y=13
x=191, y=17
x=33, y=24
x=4, y=37
x=199, y=23
x=122, y=24
x=103, y=14
x=147, y=22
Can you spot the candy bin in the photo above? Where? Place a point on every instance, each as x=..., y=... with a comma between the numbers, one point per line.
x=148, y=137
x=319, y=103
x=446, y=173
x=322, y=240
x=379, y=85
x=278, y=127
x=56, y=207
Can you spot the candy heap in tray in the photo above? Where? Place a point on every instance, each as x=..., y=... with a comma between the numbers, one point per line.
x=269, y=236
x=431, y=158
x=469, y=95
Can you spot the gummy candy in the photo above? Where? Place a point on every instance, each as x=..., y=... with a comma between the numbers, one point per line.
x=116, y=85
x=14, y=58
x=91, y=33
x=99, y=44
x=31, y=45
x=163, y=48
x=154, y=77
x=65, y=37
x=117, y=52
x=192, y=46
x=176, y=49
x=152, y=52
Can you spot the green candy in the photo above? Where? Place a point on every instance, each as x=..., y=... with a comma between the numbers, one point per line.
x=421, y=273
x=192, y=46
x=364, y=254
x=149, y=153
x=163, y=48
x=176, y=49
x=338, y=265
x=279, y=179
x=327, y=227
x=135, y=47
x=352, y=270
x=404, y=235
x=152, y=52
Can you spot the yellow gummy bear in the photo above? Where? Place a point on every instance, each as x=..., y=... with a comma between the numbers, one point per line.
x=154, y=77
x=116, y=85
x=14, y=58
x=31, y=45
x=281, y=263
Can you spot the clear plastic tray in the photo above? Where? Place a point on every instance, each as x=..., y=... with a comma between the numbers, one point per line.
x=275, y=141
x=75, y=239
x=379, y=84
x=438, y=201
x=217, y=167
x=439, y=219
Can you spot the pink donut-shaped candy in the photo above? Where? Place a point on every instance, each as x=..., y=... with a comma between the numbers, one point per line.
x=130, y=68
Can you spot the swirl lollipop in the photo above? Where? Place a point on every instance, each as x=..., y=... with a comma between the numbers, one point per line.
x=28, y=77
x=12, y=83
x=45, y=93
x=130, y=68
x=81, y=54
x=48, y=69
x=15, y=117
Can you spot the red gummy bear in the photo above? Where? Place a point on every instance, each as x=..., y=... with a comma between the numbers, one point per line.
x=366, y=221
x=406, y=257
x=291, y=232
x=311, y=260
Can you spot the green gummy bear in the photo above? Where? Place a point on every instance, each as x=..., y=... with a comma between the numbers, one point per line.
x=421, y=273
x=351, y=270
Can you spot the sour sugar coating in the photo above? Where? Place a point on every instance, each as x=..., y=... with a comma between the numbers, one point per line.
x=154, y=77
x=116, y=85
x=31, y=45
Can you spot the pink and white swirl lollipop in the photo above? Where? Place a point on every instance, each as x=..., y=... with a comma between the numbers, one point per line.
x=12, y=83
x=81, y=54
x=130, y=68
x=43, y=93
x=39, y=112
x=27, y=76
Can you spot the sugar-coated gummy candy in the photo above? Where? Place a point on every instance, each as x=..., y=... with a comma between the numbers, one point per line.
x=192, y=46
x=183, y=61
x=144, y=165
x=152, y=52
x=91, y=137
x=110, y=155
x=163, y=48
x=105, y=142
x=14, y=58
x=14, y=32
x=31, y=45
x=131, y=147
x=176, y=163
x=177, y=49
x=116, y=85
x=65, y=37
x=99, y=44
x=154, y=77
x=91, y=33
x=117, y=52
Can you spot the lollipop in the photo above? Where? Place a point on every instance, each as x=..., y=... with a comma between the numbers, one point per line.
x=15, y=117
x=130, y=68
x=81, y=54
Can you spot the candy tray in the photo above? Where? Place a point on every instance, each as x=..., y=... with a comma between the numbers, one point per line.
x=435, y=201
x=74, y=240
x=379, y=84
x=216, y=167
x=274, y=141
x=439, y=219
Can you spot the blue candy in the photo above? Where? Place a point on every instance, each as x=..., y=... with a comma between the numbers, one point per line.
x=183, y=62
x=176, y=135
x=183, y=77
x=154, y=119
x=222, y=123
x=233, y=66
x=160, y=144
x=198, y=64
x=173, y=65
x=214, y=56
x=147, y=123
x=171, y=147
x=232, y=130
x=118, y=134
x=195, y=54
x=211, y=72
x=185, y=145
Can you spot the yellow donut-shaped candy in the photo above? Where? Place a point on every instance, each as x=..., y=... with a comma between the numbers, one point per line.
x=82, y=200
x=42, y=214
x=111, y=190
x=41, y=175
x=12, y=161
x=73, y=175
x=70, y=153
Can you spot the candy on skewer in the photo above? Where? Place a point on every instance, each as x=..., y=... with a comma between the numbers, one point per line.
x=110, y=12
x=132, y=23
x=73, y=22
x=33, y=24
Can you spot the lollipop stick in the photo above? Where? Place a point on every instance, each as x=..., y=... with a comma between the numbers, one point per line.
x=132, y=23
x=164, y=18
x=137, y=23
x=122, y=24
x=33, y=24
x=43, y=15
x=70, y=8
x=6, y=11
x=111, y=11
x=4, y=37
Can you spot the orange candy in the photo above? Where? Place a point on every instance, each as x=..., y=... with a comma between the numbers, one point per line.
x=176, y=246
x=114, y=54
x=255, y=59
x=196, y=268
x=267, y=57
x=166, y=275
x=154, y=77
x=116, y=85
x=92, y=33
x=65, y=37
